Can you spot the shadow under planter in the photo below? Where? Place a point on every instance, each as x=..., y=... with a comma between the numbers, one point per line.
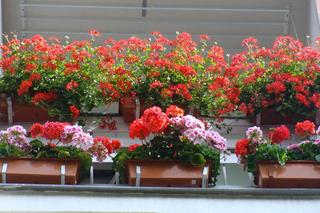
x=166, y=174
x=295, y=174
x=39, y=171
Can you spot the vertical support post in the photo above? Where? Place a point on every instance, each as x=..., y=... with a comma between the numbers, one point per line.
x=258, y=119
x=117, y=178
x=10, y=111
x=144, y=8
x=205, y=176
x=224, y=172
x=63, y=174
x=91, y=175
x=318, y=118
x=138, y=176
x=137, y=108
x=4, y=172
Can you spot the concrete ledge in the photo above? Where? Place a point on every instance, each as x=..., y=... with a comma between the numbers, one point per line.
x=122, y=190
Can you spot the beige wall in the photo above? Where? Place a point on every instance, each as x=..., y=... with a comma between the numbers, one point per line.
x=300, y=12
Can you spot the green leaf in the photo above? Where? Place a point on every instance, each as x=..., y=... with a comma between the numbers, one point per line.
x=197, y=159
x=317, y=158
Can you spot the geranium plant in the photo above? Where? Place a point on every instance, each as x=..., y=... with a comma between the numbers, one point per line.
x=255, y=147
x=62, y=78
x=285, y=77
x=161, y=71
x=172, y=136
x=56, y=140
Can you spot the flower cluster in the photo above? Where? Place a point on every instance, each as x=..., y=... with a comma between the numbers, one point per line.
x=154, y=121
x=60, y=77
x=284, y=77
x=250, y=150
x=16, y=136
x=73, y=135
x=103, y=147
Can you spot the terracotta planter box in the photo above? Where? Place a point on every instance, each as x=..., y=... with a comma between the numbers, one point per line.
x=39, y=171
x=127, y=108
x=295, y=174
x=270, y=116
x=23, y=112
x=167, y=174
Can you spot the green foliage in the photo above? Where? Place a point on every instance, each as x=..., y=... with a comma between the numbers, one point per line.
x=267, y=151
x=306, y=151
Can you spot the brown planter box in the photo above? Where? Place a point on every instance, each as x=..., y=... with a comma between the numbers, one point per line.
x=127, y=108
x=295, y=174
x=270, y=116
x=39, y=171
x=23, y=112
x=166, y=173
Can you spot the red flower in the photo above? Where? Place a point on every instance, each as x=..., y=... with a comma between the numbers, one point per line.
x=94, y=32
x=174, y=111
x=155, y=120
x=242, y=147
x=24, y=87
x=36, y=130
x=133, y=147
x=35, y=77
x=155, y=84
x=302, y=99
x=116, y=144
x=71, y=85
x=276, y=87
x=305, y=128
x=279, y=134
x=138, y=130
x=75, y=112
x=53, y=130
x=44, y=96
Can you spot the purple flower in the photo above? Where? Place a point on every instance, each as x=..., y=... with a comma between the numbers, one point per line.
x=3, y=136
x=254, y=134
x=318, y=131
x=69, y=131
x=195, y=135
x=82, y=140
x=294, y=147
x=317, y=141
x=215, y=140
x=16, y=130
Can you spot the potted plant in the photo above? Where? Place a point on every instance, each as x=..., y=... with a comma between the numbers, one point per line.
x=57, y=151
x=159, y=72
x=281, y=83
x=174, y=150
x=62, y=79
x=276, y=166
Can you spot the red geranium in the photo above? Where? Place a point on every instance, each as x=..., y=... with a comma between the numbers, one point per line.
x=36, y=130
x=44, y=96
x=53, y=130
x=75, y=112
x=174, y=111
x=279, y=134
x=305, y=128
x=24, y=87
x=155, y=120
x=133, y=147
x=138, y=130
x=242, y=147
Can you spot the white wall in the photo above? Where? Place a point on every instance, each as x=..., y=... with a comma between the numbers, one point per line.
x=314, y=20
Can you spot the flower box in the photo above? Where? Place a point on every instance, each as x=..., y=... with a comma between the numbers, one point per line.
x=295, y=174
x=167, y=173
x=39, y=171
x=23, y=112
x=270, y=116
x=128, y=107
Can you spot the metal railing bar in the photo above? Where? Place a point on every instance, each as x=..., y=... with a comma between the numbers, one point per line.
x=157, y=8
